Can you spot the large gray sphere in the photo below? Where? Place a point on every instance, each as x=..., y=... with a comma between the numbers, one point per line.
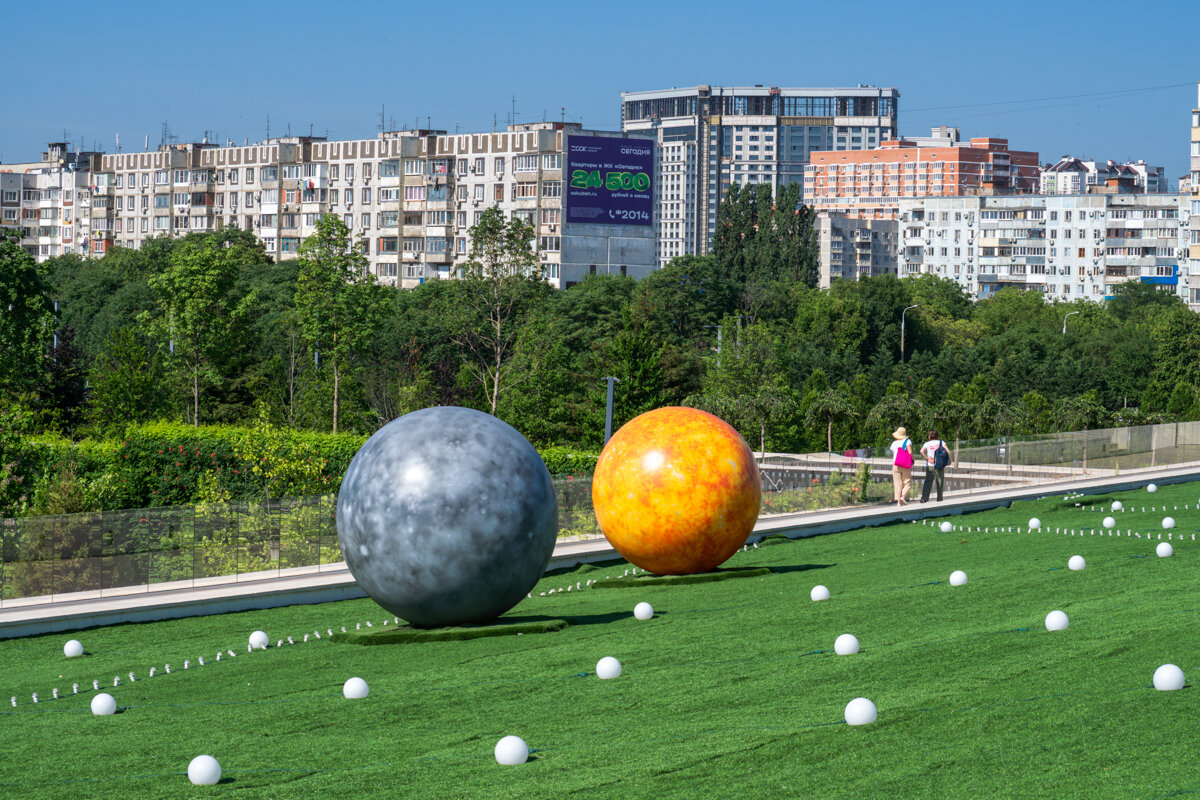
x=447, y=516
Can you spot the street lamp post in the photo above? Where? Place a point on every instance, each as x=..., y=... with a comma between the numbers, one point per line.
x=608, y=409
x=1064, y=333
x=902, y=313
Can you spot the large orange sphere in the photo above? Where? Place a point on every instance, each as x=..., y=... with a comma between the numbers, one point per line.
x=676, y=491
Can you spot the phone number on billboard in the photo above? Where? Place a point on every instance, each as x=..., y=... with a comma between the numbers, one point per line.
x=619, y=213
x=613, y=181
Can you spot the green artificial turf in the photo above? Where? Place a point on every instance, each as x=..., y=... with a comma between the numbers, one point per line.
x=731, y=691
x=407, y=634
x=650, y=579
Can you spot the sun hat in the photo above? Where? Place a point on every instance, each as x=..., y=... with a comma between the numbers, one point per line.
x=900, y=433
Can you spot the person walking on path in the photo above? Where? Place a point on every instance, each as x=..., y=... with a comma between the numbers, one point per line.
x=902, y=462
x=937, y=456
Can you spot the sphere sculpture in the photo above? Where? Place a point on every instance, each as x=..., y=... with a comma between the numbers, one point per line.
x=846, y=644
x=1118, y=505
x=1164, y=550
x=676, y=491
x=643, y=611
x=511, y=750
x=860, y=711
x=1108, y=522
x=1035, y=524
x=104, y=705
x=355, y=689
x=259, y=640
x=1076, y=563
x=608, y=668
x=946, y=527
x=819, y=593
x=1168, y=523
x=1168, y=678
x=447, y=516
x=204, y=771
x=958, y=578
x=73, y=648
x=1057, y=621
x=1151, y=488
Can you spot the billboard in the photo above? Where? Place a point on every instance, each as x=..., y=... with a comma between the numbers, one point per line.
x=610, y=181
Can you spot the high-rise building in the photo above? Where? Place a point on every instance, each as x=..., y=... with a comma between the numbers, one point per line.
x=1066, y=246
x=409, y=198
x=49, y=201
x=1192, y=208
x=871, y=183
x=714, y=136
x=852, y=248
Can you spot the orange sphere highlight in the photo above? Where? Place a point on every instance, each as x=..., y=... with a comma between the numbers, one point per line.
x=676, y=491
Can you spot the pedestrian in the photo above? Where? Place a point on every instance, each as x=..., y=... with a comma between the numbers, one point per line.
x=902, y=462
x=937, y=456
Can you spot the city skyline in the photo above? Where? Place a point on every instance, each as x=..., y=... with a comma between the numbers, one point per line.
x=1051, y=90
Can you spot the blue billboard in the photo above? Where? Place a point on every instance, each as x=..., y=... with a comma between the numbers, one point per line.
x=609, y=181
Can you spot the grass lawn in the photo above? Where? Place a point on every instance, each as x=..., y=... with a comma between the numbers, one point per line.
x=731, y=691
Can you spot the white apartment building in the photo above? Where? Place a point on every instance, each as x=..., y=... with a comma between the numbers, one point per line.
x=1066, y=246
x=1076, y=176
x=1192, y=209
x=408, y=197
x=49, y=201
x=714, y=136
x=852, y=248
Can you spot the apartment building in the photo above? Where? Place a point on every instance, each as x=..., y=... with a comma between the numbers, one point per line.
x=1191, y=198
x=1075, y=176
x=872, y=183
x=408, y=197
x=714, y=136
x=852, y=248
x=1066, y=246
x=49, y=201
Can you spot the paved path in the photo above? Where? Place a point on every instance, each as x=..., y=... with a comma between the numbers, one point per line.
x=334, y=581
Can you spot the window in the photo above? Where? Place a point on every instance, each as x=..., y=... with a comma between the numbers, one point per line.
x=366, y=170
x=391, y=169
x=366, y=195
x=160, y=177
x=414, y=192
x=462, y=166
x=551, y=216
x=388, y=219
x=349, y=172
x=552, y=161
x=233, y=176
x=478, y=166
x=498, y=192
x=364, y=220
x=162, y=201
x=521, y=190
x=549, y=243
x=460, y=219
x=389, y=195
x=460, y=246
x=333, y=172
x=438, y=218
x=551, y=188
x=269, y=243
x=460, y=192
x=310, y=220
x=270, y=195
x=269, y=173
x=268, y=220
x=181, y=176
x=249, y=199
x=291, y=172
x=525, y=164
x=249, y=174
x=479, y=192
x=289, y=244
x=439, y=166
x=414, y=245
x=435, y=245
x=499, y=166
x=349, y=195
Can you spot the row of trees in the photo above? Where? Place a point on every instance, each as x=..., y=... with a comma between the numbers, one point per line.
x=208, y=329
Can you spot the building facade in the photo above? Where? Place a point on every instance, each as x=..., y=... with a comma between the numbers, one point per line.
x=1192, y=200
x=1075, y=176
x=871, y=183
x=1068, y=247
x=714, y=136
x=49, y=201
x=853, y=248
x=408, y=197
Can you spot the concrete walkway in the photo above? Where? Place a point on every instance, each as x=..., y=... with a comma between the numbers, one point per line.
x=29, y=616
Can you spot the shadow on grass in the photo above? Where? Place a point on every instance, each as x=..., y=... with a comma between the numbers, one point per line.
x=781, y=570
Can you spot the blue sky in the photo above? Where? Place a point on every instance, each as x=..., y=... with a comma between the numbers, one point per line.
x=1100, y=79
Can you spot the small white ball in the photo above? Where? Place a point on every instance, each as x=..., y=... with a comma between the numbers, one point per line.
x=643, y=611
x=104, y=705
x=608, y=667
x=1164, y=550
x=355, y=689
x=819, y=593
x=860, y=711
x=946, y=527
x=1076, y=563
x=1152, y=488
x=259, y=640
x=846, y=644
x=511, y=750
x=1109, y=522
x=1168, y=523
x=1057, y=621
x=1035, y=524
x=958, y=578
x=1118, y=505
x=72, y=648
x=1168, y=678
x=204, y=771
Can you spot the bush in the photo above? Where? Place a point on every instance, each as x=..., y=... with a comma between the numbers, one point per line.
x=567, y=461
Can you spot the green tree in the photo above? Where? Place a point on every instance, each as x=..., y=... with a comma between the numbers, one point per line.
x=339, y=304
x=200, y=310
x=26, y=315
x=828, y=407
x=501, y=280
x=126, y=381
x=1182, y=403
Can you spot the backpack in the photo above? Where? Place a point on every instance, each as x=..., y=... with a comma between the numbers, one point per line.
x=904, y=458
x=941, y=457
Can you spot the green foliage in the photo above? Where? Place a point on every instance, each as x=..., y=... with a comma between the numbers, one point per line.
x=568, y=461
x=127, y=381
x=27, y=322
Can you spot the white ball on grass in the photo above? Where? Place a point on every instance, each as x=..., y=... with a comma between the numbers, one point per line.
x=1035, y=524
x=643, y=611
x=1152, y=488
x=1118, y=505
x=104, y=705
x=1109, y=522
x=204, y=771
x=819, y=593
x=1168, y=678
x=608, y=667
x=846, y=644
x=946, y=527
x=72, y=648
x=259, y=640
x=1057, y=621
x=1168, y=523
x=1164, y=550
x=958, y=578
x=1076, y=563
x=511, y=750
x=860, y=711
x=355, y=689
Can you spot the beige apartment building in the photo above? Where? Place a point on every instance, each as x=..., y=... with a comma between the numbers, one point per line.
x=408, y=197
x=49, y=201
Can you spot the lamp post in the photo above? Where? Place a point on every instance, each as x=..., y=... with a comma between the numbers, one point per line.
x=608, y=409
x=902, y=313
x=1064, y=333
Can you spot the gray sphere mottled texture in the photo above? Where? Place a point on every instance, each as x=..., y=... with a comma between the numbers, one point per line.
x=447, y=516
